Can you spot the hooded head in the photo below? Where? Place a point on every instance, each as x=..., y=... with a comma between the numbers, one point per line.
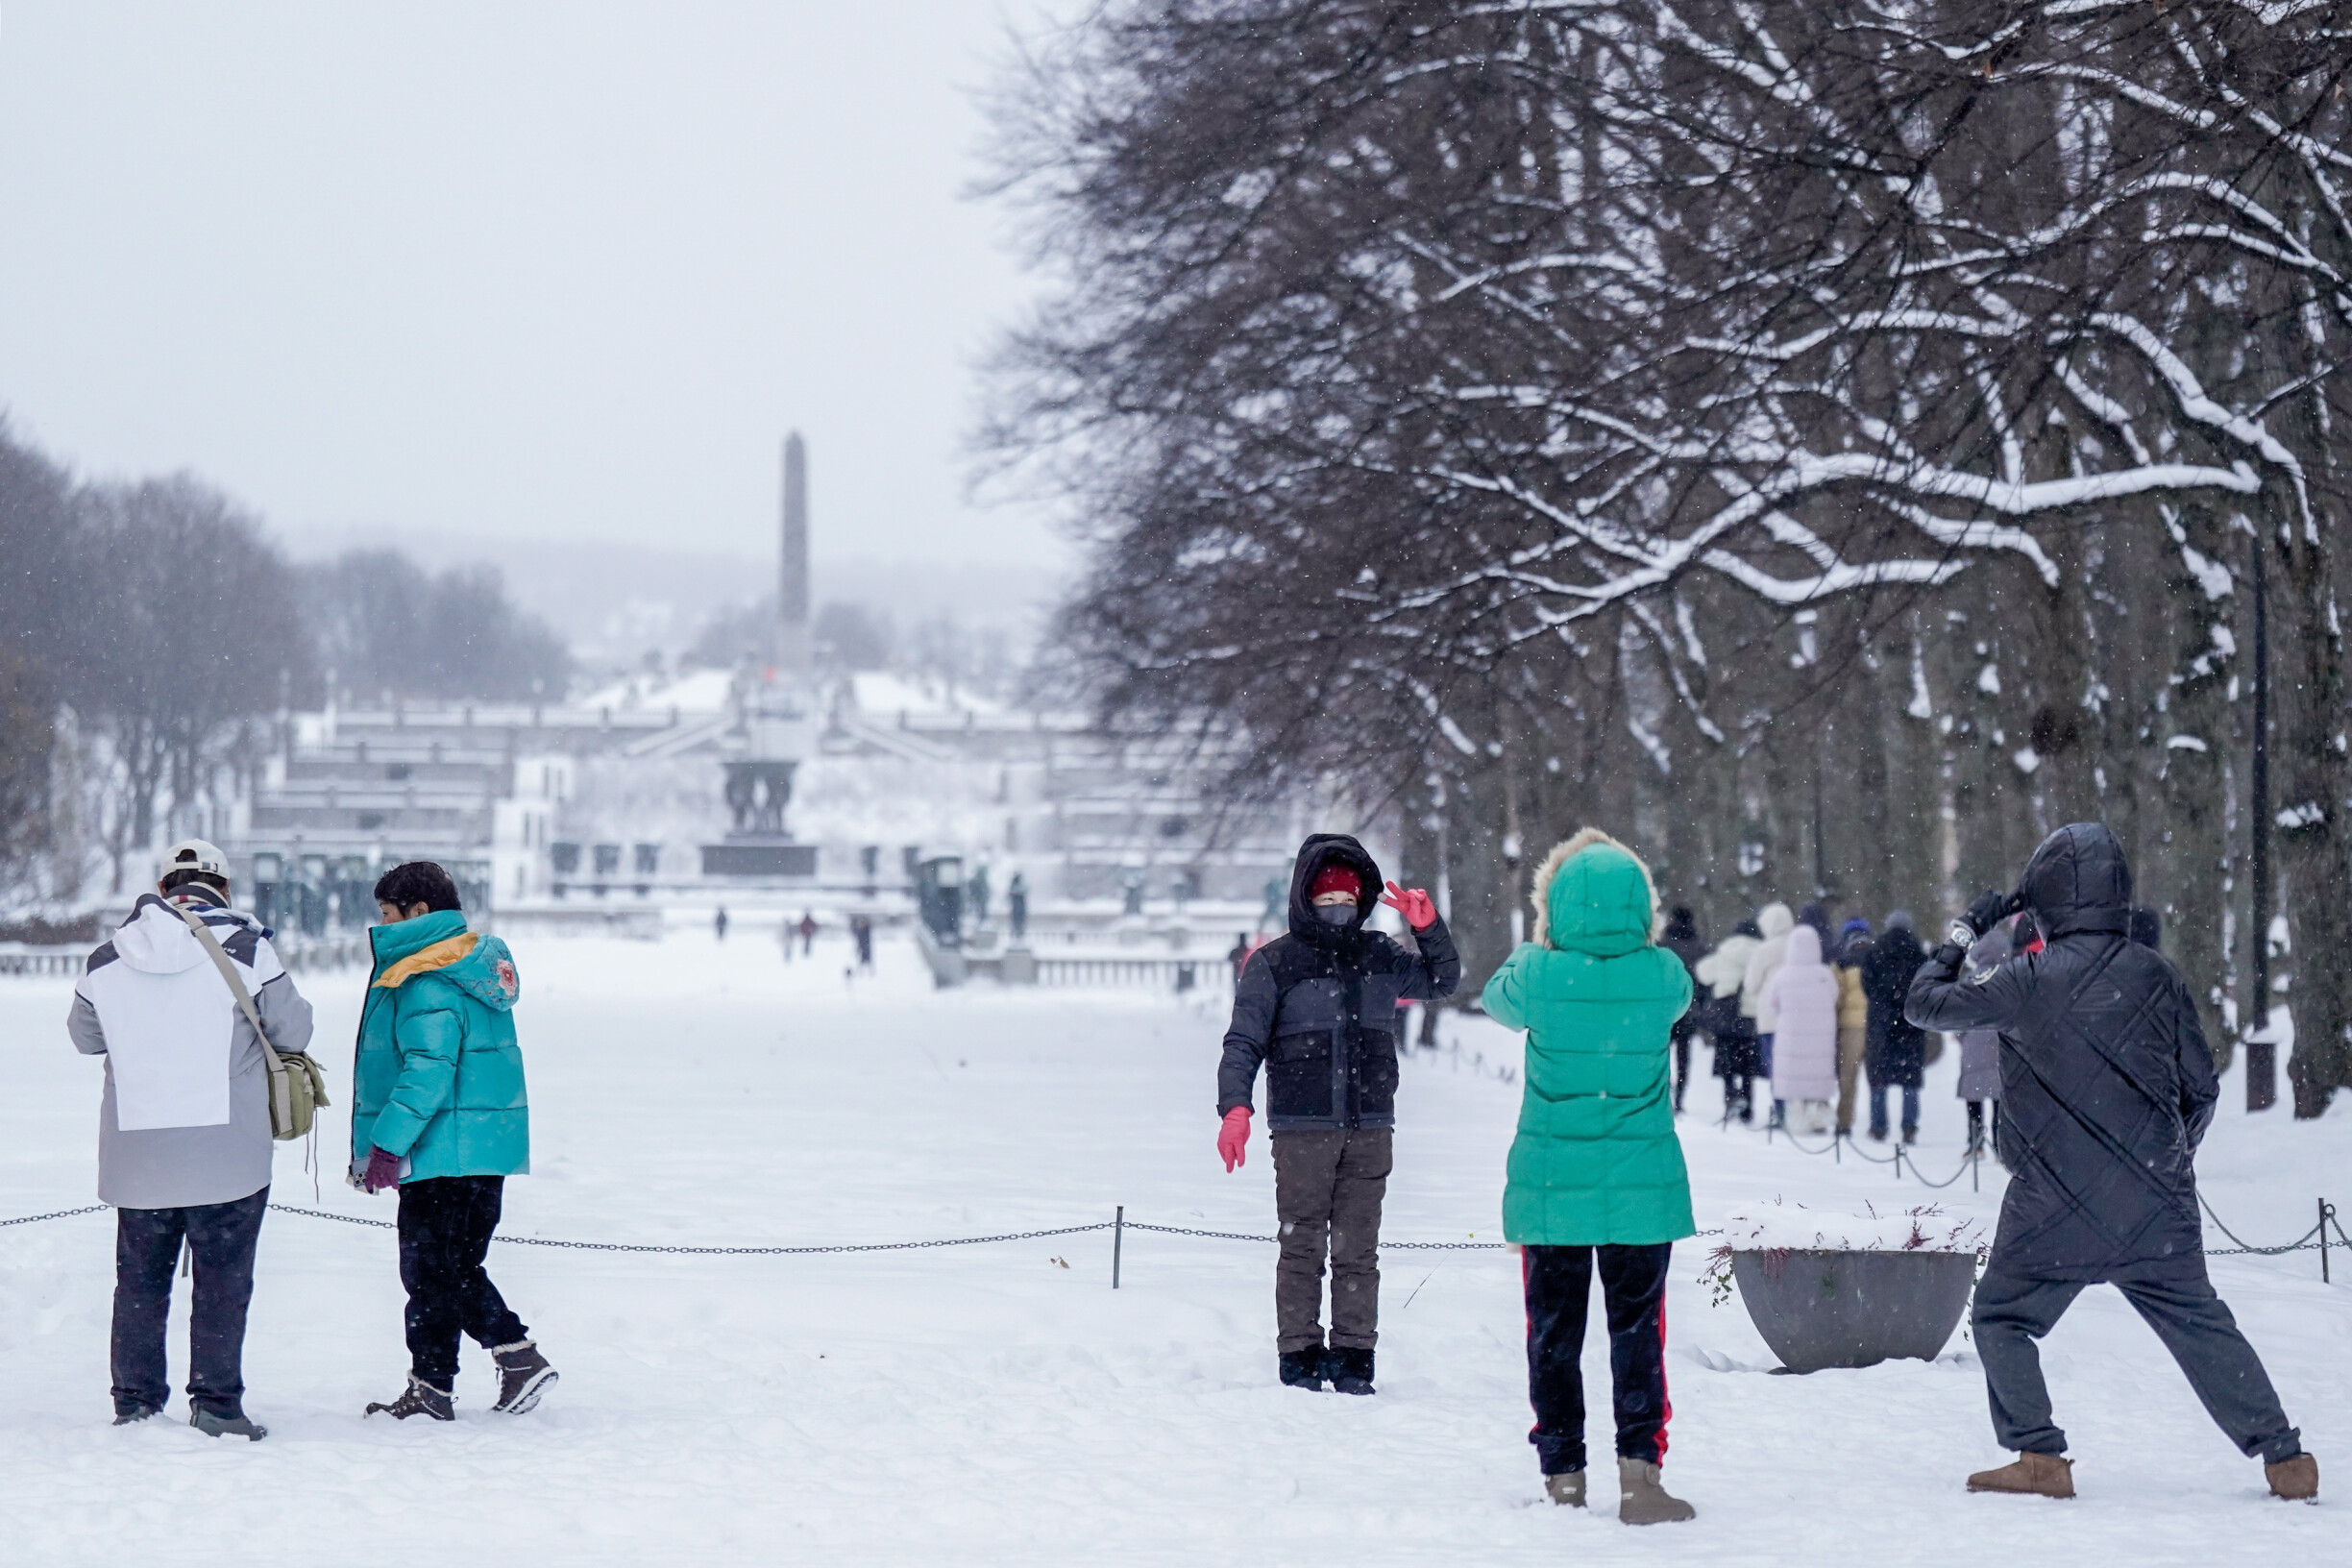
x=1320, y=852
x=2078, y=881
x=1594, y=895
x=156, y=938
x=1899, y=919
x=1805, y=948
x=1749, y=929
x=1816, y=917
x=1774, y=921
x=1681, y=925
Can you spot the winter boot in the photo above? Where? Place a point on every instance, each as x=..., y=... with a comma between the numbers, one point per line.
x=1643, y=1500
x=226, y=1426
x=2034, y=1474
x=420, y=1398
x=2296, y=1480
x=1349, y=1370
x=130, y=1413
x=1567, y=1488
x=1303, y=1368
x=523, y=1375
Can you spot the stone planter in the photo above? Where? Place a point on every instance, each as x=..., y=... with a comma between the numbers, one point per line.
x=1853, y=1309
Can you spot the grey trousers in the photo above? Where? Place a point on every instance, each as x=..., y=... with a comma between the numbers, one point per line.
x=2177, y=1300
x=1328, y=1189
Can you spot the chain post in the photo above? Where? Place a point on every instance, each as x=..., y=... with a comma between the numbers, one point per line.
x=2327, y=1212
x=1118, y=1235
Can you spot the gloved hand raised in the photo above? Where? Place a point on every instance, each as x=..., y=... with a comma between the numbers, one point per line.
x=1988, y=911
x=382, y=1171
x=1419, y=909
x=1233, y=1136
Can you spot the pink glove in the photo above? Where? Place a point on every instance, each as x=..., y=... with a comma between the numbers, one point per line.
x=1233, y=1136
x=1419, y=911
x=382, y=1171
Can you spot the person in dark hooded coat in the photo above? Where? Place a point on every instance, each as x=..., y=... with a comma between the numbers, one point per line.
x=2107, y=1085
x=1895, y=1053
x=1682, y=938
x=1318, y=1007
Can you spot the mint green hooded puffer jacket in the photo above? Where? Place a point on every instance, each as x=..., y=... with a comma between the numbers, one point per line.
x=439, y=1075
x=1596, y=1160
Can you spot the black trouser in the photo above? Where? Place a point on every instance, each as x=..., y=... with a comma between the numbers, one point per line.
x=2177, y=1300
x=1982, y=1133
x=1558, y=1286
x=1682, y=1060
x=445, y=1227
x=220, y=1237
x=1328, y=1189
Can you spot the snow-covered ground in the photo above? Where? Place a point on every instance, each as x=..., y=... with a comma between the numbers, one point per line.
x=986, y=1404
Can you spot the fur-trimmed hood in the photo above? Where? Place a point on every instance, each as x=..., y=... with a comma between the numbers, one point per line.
x=1594, y=894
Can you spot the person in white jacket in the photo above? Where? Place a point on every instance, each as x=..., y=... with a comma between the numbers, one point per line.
x=1755, y=1002
x=1804, y=996
x=184, y=1129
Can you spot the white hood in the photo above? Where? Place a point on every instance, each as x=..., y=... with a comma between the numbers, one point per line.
x=157, y=941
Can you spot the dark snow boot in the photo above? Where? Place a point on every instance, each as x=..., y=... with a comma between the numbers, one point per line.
x=523, y=1375
x=420, y=1398
x=1349, y=1370
x=226, y=1426
x=130, y=1414
x=1303, y=1368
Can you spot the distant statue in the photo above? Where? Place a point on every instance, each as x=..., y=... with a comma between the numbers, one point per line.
x=1017, y=905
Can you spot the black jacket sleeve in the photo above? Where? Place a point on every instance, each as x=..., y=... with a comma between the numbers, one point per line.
x=1941, y=997
x=2200, y=1086
x=1437, y=971
x=1246, y=1037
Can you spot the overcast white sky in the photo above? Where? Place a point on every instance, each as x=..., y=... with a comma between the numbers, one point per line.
x=557, y=272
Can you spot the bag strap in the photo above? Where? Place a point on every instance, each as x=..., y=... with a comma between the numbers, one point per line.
x=227, y=966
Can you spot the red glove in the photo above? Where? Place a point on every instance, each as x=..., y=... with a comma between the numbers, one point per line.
x=1419, y=911
x=1233, y=1136
x=382, y=1171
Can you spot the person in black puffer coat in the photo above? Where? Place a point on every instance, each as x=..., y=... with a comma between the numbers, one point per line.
x=1682, y=938
x=2107, y=1085
x=1318, y=1007
x=1895, y=1053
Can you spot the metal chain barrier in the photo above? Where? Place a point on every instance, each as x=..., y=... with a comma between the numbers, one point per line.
x=62, y=1214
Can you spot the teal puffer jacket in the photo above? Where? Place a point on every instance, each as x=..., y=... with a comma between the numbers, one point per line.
x=439, y=1076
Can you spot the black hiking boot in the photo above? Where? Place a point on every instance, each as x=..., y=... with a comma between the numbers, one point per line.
x=523, y=1375
x=420, y=1398
x=1349, y=1370
x=226, y=1426
x=129, y=1413
x=1303, y=1368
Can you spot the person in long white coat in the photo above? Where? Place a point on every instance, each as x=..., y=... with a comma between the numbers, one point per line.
x=1803, y=995
x=1755, y=988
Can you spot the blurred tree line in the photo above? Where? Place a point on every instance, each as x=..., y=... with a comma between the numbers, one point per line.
x=150, y=632
x=1832, y=442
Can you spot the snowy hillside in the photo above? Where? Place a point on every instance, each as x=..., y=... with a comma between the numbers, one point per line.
x=987, y=1404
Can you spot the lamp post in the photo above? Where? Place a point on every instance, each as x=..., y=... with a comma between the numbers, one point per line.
x=2262, y=1053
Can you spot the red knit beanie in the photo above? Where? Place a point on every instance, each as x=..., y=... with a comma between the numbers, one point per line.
x=1333, y=878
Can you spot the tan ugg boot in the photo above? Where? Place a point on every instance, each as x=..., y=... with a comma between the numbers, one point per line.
x=1641, y=1499
x=2033, y=1475
x=1566, y=1488
x=2296, y=1480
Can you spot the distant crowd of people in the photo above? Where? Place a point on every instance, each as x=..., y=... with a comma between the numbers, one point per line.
x=1816, y=1014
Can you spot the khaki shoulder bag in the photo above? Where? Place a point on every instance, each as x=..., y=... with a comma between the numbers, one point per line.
x=296, y=1085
